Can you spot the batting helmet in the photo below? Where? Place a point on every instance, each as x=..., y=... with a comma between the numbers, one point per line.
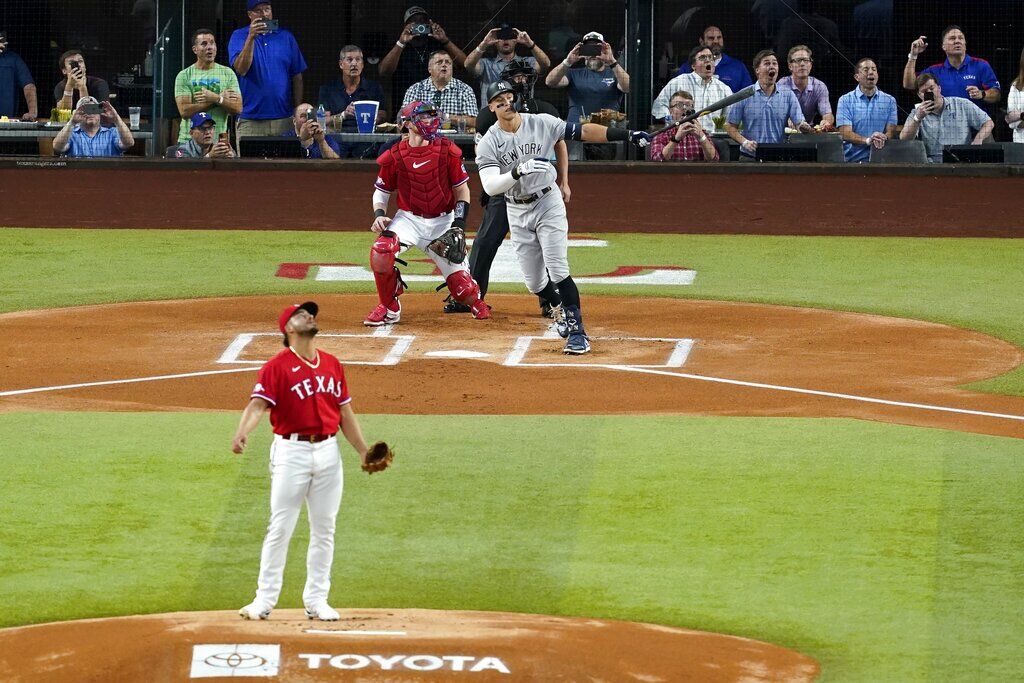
x=422, y=115
x=499, y=87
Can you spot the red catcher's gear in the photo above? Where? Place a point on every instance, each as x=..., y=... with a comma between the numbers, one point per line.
x=465, y=290
x=385, y=272
x=423, y=176
x=422, y=115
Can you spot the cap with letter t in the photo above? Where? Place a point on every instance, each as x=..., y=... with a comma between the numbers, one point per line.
x=201, y=119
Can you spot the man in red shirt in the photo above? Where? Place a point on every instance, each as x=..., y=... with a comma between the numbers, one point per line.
x=306, y=393
x=433, y=197
x=685, y=142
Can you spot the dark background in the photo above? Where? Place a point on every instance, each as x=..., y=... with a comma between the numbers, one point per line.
x=115, y=34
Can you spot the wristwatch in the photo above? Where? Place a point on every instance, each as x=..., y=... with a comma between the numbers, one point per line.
x=703, y=138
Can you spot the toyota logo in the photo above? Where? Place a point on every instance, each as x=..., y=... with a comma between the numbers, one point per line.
x=235, y=660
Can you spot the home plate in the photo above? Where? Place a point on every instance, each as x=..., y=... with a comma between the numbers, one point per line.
x=457, y=353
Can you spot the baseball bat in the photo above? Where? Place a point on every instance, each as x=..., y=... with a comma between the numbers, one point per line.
x=713, y=107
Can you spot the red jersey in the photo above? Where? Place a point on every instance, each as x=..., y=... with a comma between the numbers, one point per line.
x=304, y=397
x=424, y=176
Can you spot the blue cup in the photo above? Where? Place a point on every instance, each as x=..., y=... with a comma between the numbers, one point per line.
x=366, y=115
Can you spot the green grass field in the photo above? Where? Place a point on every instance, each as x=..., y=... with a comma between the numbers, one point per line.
x=887, y=553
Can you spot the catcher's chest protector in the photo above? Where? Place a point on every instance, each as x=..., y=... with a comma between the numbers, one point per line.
x=424, y=177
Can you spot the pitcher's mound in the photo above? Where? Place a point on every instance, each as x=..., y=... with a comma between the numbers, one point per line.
x=392, y=645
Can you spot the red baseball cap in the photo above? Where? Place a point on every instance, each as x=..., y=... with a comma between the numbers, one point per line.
x=310, y=307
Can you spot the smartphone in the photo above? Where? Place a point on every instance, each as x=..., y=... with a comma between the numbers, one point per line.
x=310, y=115
x=591, y=49
x=91, y=109
x=506, y=32
x=223, y=137
x=929, y=96
x=272, y=24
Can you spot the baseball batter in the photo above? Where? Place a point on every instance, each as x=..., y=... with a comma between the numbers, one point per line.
x=433, y=203
x=307, y=396
x=513, y=158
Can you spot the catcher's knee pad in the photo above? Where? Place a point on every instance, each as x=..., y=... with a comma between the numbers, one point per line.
x=382, y=253
x=463, y=288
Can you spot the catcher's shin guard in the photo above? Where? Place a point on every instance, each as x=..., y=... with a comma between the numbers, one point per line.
x=465, y=290
x=385, y=273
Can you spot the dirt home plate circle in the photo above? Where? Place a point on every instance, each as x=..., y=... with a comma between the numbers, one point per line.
x=387, y=645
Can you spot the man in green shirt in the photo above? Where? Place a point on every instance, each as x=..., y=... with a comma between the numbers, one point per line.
x=206, y=86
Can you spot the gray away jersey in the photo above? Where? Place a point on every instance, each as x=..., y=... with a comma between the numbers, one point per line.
x=535, y=139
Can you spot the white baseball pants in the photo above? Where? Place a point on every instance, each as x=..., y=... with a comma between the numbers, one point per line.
x=413, y=229
x=301, y=471
x=540, y=236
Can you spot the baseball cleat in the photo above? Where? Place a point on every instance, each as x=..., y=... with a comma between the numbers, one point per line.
x=453, y=306
x=481, y=311
x=547, y=310
x=577, y=344
x=323, y=612
x=382, y=315
x=561, y=326
x=254, y=612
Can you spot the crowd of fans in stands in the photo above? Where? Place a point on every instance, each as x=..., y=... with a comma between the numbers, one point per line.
x=262, y=90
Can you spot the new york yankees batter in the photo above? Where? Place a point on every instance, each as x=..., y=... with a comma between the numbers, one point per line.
x=513, y=158
x=307, y=396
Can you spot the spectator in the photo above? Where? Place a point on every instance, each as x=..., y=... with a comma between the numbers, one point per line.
x=960, y=75
x=730, y=71
x=77, y=83
x=314, y=140
x=707, y=88
x=84, y=136
x=811, y=93
x=337, y=99
x=488, y=69
x=200, y=144
x=448, y=95
x=1015, y=103
x=941, y=121
x=599, y=86
x=687, y=141
x=765, y=114
x=206, y=86
x=867, y=116
x=409, y=59
x=14, y=75
x=269, y=65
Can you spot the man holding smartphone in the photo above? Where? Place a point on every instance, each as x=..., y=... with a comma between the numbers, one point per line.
x=599, y=86
x=77, y=83
x=505, y=39
x=315, y=142
x=202, y=134
x=941, y=121
x=85, y=136
x=269, y=65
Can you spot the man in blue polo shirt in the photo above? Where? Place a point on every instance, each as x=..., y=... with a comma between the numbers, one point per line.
x=764, y=116
x=269, y=65
x=960, y=75
x=337, y=99
x=867, y=116
x=85, y=136
x=729, y=70
x=14, y=76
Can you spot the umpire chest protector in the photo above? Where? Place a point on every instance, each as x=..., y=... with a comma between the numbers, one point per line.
x=424, y=176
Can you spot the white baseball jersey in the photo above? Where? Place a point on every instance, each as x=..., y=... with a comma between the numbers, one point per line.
x=535, y=139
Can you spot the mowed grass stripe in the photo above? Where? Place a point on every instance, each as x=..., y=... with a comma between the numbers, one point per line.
x=886, y=552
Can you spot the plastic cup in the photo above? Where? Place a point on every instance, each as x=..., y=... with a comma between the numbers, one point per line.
x=134, y=117
x=366, y=115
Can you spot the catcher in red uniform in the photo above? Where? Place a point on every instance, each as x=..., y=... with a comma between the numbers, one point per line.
x=433, y=201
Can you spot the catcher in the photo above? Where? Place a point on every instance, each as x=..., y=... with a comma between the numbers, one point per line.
x=433, y=202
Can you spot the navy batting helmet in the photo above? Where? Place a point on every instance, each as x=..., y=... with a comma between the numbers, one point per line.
x=499, y=87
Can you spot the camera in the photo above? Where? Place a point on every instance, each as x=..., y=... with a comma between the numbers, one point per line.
x=506, y=32
x=76, y=64
x=419, y=30
x=591, y=49
x=310, y=115
x=272, y=25
x=929, y=96
x=91, y=109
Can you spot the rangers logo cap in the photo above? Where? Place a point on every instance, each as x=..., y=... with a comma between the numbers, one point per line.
x=286, y=315
x=201, y=118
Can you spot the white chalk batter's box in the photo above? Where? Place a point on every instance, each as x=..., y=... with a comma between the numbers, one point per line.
x=382, y=347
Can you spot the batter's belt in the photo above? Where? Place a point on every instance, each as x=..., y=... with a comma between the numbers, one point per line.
x=530, y=199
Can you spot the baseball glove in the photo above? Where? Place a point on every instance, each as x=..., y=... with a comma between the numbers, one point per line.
x=378, y=458
x=451, y=245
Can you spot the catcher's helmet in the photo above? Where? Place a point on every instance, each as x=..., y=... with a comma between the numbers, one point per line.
x=499, y=87
x=422, y=115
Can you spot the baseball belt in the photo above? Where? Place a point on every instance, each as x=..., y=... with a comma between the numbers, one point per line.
x=531, y=198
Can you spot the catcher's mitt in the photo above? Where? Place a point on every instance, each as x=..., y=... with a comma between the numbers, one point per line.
x=451, y=245
x=378, y=457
